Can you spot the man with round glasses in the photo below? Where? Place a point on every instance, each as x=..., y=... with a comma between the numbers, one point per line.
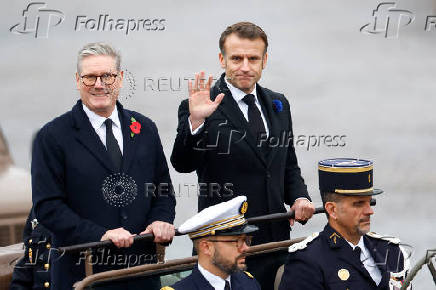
x=90, y=168
x=221, y=236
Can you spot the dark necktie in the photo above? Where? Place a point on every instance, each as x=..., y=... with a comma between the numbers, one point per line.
x=227, y=286
x=357, y=252
x=112, y=146
x=255, y=121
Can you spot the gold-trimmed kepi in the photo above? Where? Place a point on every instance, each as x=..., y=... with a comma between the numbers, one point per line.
x=223, y=219
x=347, y=176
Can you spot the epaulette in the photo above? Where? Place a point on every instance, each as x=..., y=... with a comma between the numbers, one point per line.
x=249, y=274
x=167, y=288
x=390, y=239
x=303, y=244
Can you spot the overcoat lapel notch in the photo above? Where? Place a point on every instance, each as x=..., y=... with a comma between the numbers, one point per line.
x=87, y=136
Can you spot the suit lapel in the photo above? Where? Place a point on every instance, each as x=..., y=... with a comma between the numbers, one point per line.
x=129, y=142
x=87, y=136
x=230, y=109
x=380, y=260
x=271, y=117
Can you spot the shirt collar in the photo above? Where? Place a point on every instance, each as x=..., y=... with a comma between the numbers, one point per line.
x=360, y=244
x=237, y=94
x=97, y=121
x=216, y=281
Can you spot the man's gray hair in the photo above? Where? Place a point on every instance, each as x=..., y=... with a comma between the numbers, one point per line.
x=98, y=48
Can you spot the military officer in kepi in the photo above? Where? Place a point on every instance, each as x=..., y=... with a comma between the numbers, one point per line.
x=346, y=255
x=221, y=236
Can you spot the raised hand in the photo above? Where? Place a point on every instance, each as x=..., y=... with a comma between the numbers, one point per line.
x=200, y=104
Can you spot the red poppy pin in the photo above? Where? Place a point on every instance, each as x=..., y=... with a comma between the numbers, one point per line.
x=135, y=127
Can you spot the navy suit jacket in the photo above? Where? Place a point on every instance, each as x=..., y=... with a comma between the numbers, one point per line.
x=238, y=280
x=71, y=171
x=229, y=162
x=318, y=266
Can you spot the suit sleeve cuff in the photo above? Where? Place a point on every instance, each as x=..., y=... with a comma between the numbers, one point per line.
x=302, y=198
x=196, y=131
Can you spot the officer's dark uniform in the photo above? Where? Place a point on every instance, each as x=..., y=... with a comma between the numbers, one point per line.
x=239, y=280
x=223, y=219
x=33, y=270
x=326, y=261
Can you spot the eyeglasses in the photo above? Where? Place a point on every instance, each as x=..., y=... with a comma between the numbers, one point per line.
x=240, y=242
x=107, y=79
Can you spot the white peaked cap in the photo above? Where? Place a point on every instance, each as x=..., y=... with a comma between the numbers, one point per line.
x=219, y=217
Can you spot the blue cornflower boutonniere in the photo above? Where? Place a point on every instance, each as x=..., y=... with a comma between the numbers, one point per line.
x=277, y=105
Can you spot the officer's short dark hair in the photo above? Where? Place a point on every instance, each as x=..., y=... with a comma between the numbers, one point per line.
x=330, y=197
x=244, y=30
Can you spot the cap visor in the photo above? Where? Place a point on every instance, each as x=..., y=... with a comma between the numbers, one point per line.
x=246, y=229
x=368, y=193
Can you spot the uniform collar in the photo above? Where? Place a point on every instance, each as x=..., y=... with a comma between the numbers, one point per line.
x=97, y=121
x=214, y=280
x=334, y=238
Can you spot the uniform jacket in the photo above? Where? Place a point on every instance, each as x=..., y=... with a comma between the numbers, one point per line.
x=328, y=262
x=33, y=270
x=75, y=188
x=229, y=162
x=196, y=281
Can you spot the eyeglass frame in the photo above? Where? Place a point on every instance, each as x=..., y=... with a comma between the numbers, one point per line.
x=101, y=79
x=245, y=240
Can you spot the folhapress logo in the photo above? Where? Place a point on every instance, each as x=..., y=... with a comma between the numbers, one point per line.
x=37, y=19
x=388, y=20
x=108, y=23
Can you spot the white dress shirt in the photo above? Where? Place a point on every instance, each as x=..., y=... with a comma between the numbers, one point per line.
x=368, y=261
x=99, y=126
x=238, y=96
x=216, y=281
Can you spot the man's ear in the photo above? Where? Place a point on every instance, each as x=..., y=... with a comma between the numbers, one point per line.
x=331, y=209
x=222, y=60
x=205, y=247
x=77, y=80
x=121, y=78
x=264, y=60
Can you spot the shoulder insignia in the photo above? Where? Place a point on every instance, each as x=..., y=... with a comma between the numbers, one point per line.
x=249, y=274
x=303, y=244
x=167, y=288
x=390, y=239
